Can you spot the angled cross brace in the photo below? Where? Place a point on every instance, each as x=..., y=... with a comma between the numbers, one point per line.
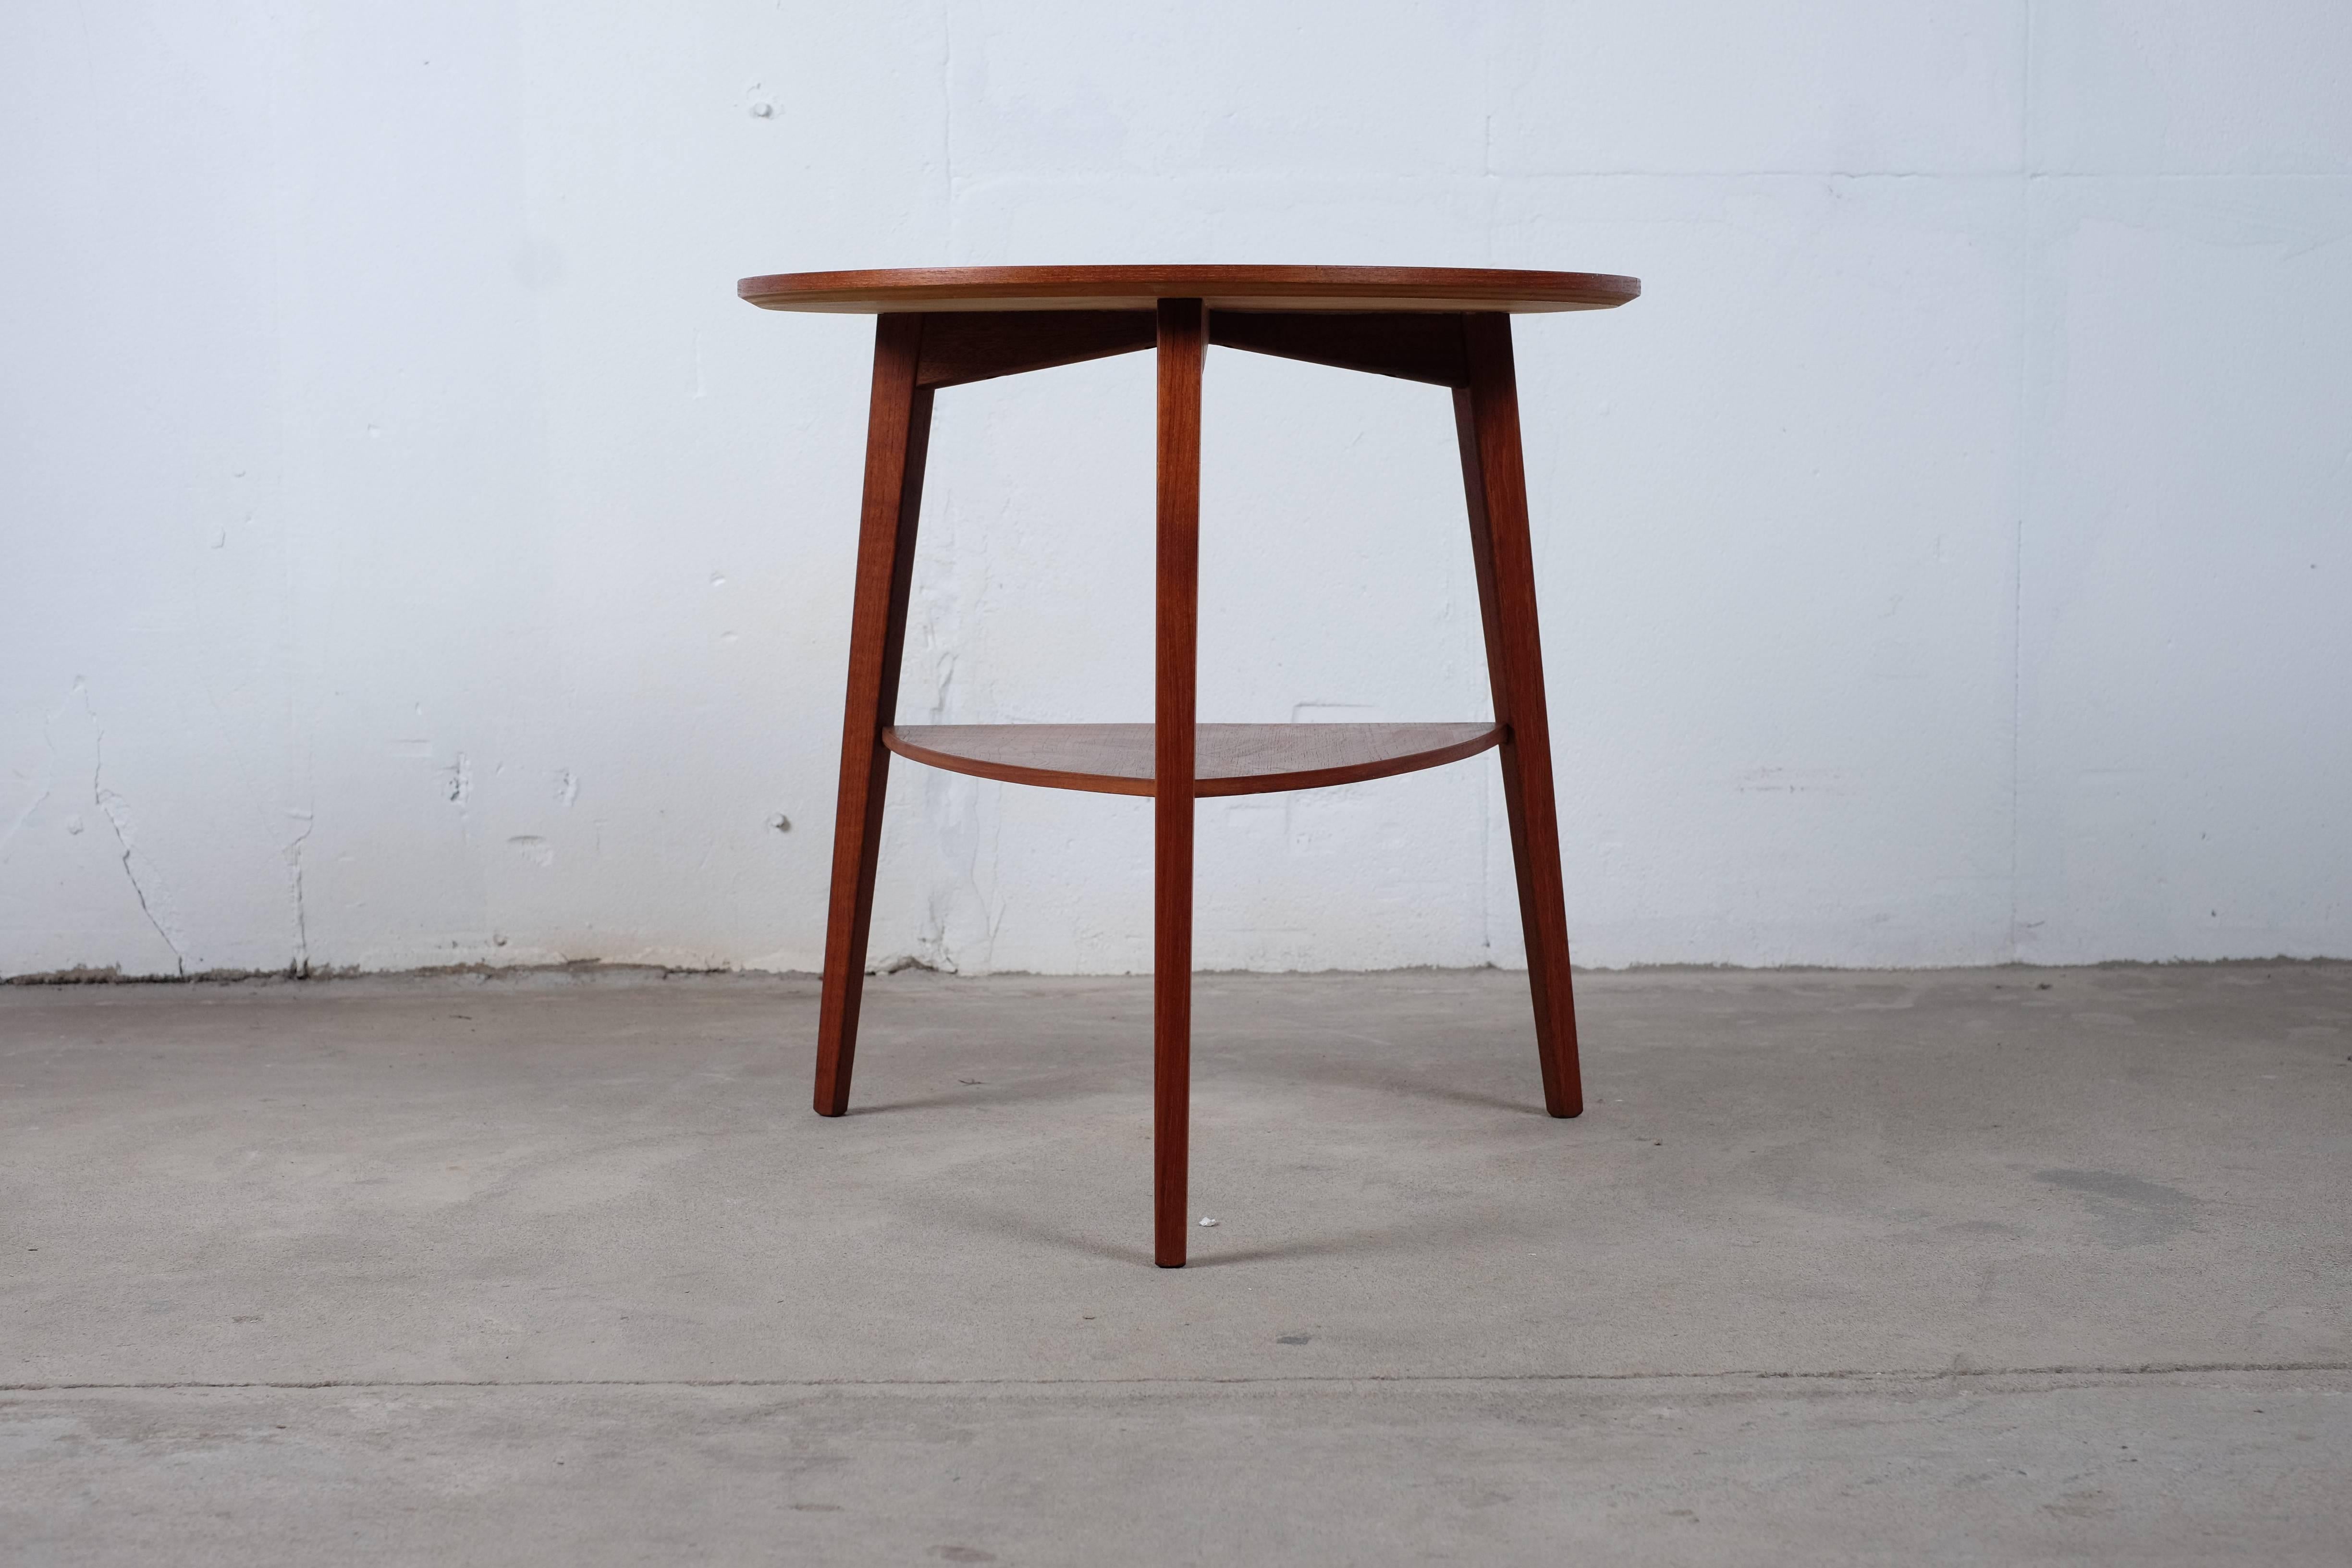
x=1411, y=345
x=962, y=346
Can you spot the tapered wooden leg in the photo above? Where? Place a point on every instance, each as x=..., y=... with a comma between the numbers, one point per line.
x=897, y=432
x=1183, y=346
x=1486, y=417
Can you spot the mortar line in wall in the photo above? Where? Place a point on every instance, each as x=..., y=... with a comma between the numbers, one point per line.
x=2025, y=92
x=1487, y=869
x=947, y=123
x=2021, y=477
x=2017, y=683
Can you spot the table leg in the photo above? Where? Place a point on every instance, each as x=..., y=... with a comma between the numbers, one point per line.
x=1493, y=475
x=1183, y=347
x=897, y=433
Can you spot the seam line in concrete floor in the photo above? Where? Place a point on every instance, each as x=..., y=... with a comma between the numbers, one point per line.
x=2152, y=1369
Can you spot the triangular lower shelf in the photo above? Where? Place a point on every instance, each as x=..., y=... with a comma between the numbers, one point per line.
x=1228, y=759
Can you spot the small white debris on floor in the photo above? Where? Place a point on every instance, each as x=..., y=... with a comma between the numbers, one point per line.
x=1206, y=1222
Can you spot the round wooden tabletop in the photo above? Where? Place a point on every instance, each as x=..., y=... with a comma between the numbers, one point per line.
x=1223, y=287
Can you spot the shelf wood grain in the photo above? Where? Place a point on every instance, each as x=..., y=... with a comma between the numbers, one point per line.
x=1228, y=759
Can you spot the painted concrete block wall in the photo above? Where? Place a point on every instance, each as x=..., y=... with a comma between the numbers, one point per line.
x=416, y=555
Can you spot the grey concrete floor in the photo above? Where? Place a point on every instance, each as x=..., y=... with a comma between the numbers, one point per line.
x=2000, y=1267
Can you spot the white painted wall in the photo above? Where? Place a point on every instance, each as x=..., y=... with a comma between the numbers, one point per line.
x=414, y=554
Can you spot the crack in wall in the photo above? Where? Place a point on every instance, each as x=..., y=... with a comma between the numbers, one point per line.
x=31, y=806
x=952, y=810
x=300, y=965
x=48, y=776
x=118, y=817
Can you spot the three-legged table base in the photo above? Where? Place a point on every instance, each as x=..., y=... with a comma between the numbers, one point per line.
x=1175, y=760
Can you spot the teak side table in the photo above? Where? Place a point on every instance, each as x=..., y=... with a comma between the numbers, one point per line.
x=946, y=326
